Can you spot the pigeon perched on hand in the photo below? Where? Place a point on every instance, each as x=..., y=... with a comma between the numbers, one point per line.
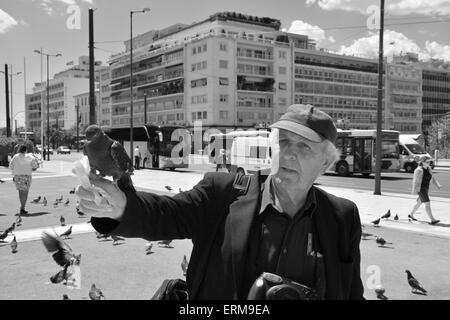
x=386, y=215
x=414, y=283
x=14, y=245
x=108, y=157
x=66, y=233
x=62, y=254
x=95, y=293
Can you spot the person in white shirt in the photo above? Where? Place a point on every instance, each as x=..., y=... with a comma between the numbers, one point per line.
x=22, y=165
x=137, y=157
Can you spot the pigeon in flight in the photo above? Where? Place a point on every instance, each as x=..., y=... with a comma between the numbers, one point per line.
x=14, y=245
x=414, y=283
x=95, y=293
x=168, y=188
x=62, y=220
x=36, y=200
x=116, y=239
x=66, y=233
x=396, y=217
x=62, y=254
x=148, y=248
x=386, y=215
x=108, y=157
x=184, y=265
x=165, y=243
x=376, y=222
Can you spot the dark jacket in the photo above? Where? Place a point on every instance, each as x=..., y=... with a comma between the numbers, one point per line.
x=218, y=221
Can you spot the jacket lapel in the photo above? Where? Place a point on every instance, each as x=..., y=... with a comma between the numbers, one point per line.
x=237, y=228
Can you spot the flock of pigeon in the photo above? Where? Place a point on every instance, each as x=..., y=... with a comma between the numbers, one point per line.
x=62, y=253
x=413, y=282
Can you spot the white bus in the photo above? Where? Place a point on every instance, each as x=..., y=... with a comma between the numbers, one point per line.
x=357, y=149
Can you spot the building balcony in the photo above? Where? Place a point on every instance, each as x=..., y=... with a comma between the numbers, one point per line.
x=144, y=82
x=265, y=86
x=268, y=73
x=254, y=55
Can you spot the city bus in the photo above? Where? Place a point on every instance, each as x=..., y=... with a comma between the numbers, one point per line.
x=161, y=146
x=357, y=151
x=224, y=141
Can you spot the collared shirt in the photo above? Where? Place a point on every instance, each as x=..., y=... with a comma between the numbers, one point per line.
x=23, y=164
x=280, y=244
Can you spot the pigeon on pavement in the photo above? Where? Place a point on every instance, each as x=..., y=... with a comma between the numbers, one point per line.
x=376, y=222
x=165, y=243
x=14, y=245
x=80, y=213
x=396, y=217
x=414, y=283
x=66, y=297
x=184, y=265
x=72, y=191
x=108, y=157
x=11, y=228
x=62, y=221
x=62, y=254
x=1, y=181
x=116, y=239
x=66, y=233
x=386, y=215
x=36, y=200
x=380, y=241
x=3, y=235
x=380, y=290
x=95, y=293
x=44, y=201
x=148, y=248
x=67, y=202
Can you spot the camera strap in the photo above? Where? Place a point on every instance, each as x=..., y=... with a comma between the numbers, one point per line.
x=319, y=264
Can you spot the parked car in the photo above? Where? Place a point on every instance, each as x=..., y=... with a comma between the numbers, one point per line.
x=63, y=150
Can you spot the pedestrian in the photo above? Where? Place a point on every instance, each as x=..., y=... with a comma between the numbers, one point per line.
x=244, y=225
x=22, y=165
x=137, y=157
x=222, y=160
x=420, y=186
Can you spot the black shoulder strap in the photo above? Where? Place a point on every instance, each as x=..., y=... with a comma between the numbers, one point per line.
x=241, y=184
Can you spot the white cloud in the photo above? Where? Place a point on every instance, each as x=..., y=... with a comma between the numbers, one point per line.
x=423, y=7
x=395, y=43
x=345, y=5
x=313, y=32
x=6, y=21
x=49, y=5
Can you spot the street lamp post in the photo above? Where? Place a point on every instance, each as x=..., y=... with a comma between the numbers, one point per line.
x=11, y=90
x=48, y=100
x=78, y=127
x=10, y=93
x=131, y=78
x=145, y=108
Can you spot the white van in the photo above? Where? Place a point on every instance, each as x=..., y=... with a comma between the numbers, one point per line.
x=250, y=154
x=411, y=151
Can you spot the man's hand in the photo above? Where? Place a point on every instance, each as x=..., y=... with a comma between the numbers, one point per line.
x=113, y=203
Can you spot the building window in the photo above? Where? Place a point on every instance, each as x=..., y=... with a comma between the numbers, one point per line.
x=223, y=115
x=282, y=101
x=282, y=54
x=199, y=83
x=223, y=64
x=282, y=70
x=223, y=98
x=223, y=47
x=282, y=86
x=194, y=50
x=223, y=81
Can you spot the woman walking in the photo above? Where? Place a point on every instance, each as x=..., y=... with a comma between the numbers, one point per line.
x=22, y=165
x=421, y=184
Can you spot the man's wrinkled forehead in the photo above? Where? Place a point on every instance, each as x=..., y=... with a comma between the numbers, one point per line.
x=285, y=134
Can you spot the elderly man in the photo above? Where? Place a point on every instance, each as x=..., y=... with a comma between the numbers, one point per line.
x=242, y=226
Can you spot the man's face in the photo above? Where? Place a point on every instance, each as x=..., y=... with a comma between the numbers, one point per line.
x=300, y=161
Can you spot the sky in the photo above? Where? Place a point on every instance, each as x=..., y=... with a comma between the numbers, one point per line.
x=342, y=26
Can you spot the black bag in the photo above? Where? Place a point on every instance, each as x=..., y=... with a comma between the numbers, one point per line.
x=172, y=289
